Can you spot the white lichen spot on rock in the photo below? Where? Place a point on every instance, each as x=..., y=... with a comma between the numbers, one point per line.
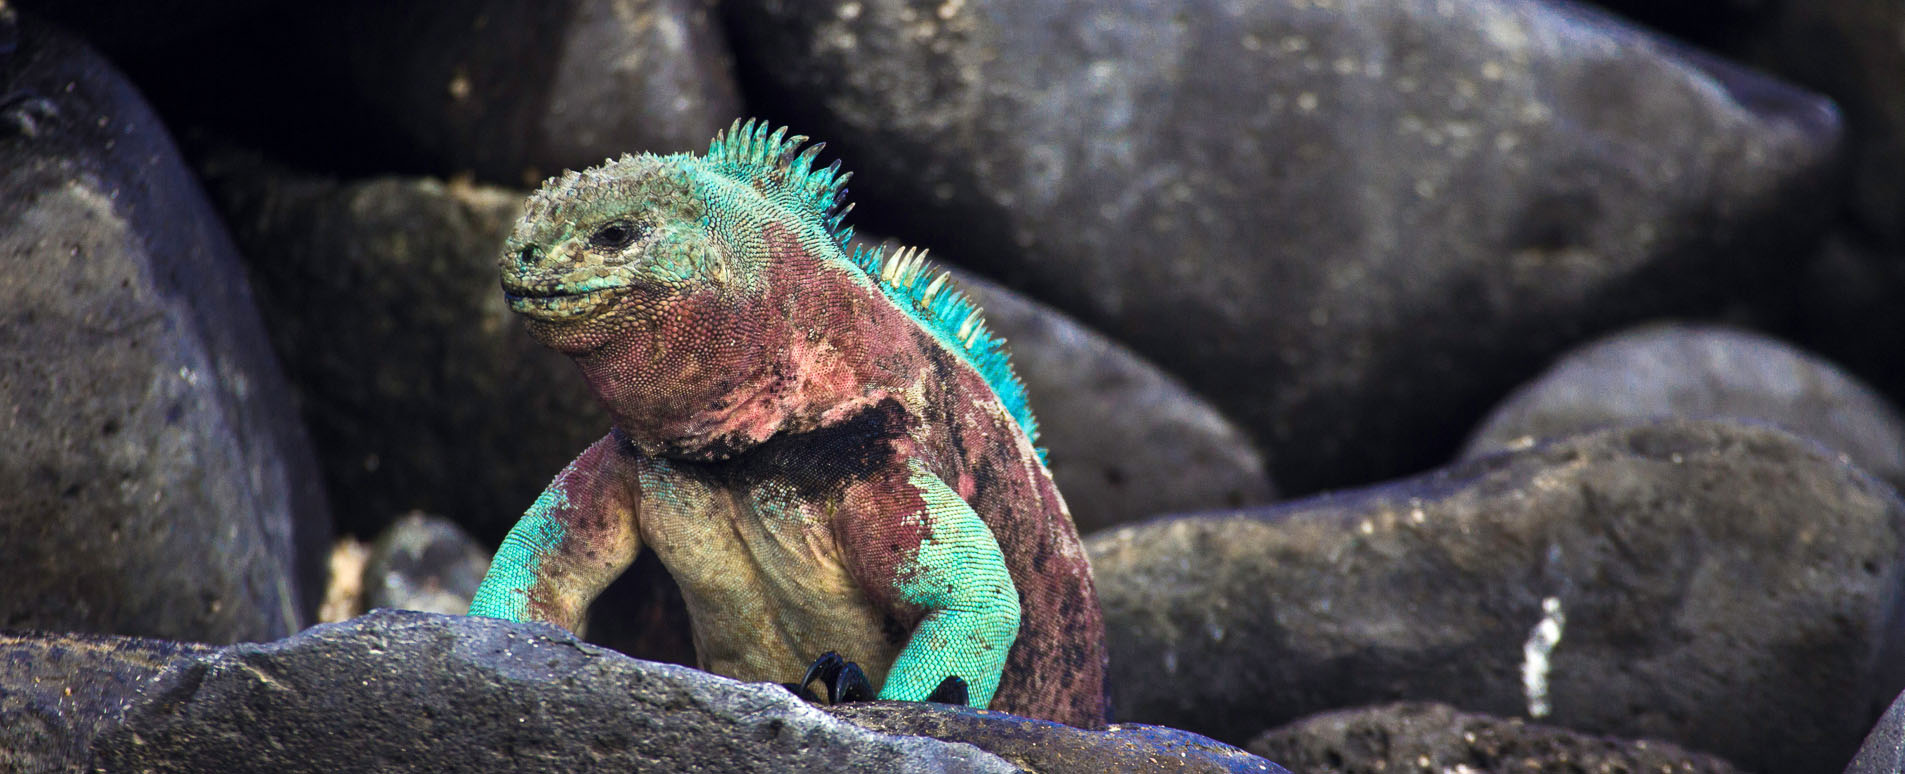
x=1306, y=102
x=1535, y=654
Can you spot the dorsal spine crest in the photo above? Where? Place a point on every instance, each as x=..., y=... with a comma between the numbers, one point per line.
x=782, y=170
x=951, y=316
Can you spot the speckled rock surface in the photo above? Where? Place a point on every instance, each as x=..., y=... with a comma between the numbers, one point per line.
x=1884, y=748
x=1730, y=588
x=1348, y=226
x=1053, y=748
x=1438, y=738
x=1695, y=371
x=58, y=692
x=401, y=691
x=157, y=481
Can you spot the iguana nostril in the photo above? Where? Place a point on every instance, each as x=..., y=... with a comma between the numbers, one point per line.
x=529, y=255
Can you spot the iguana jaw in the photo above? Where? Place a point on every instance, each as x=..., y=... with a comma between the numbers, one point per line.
x=572, y=297
x=559, y=307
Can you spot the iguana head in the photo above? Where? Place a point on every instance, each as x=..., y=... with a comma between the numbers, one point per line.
x=596, y=247
x=653, y=273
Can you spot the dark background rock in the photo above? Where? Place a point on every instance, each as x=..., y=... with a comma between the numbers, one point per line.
x=1846, y=49
x=401, y=691
x=1727, y=587
x=520, y=89
x=1848, y=309
x=1350, y=227
x=1054, y=748
x=510, y=89
x=1437, y=737
x=58, y=692
x=422, y=390
x=425, y=563
x=158, y=481
x=1126, y=440
x=1694, y=371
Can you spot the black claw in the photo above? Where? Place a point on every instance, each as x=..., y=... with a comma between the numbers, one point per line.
x=951, y=690
x=850, y=685
x=801, y=692
x=827, y=667
x=845, y=681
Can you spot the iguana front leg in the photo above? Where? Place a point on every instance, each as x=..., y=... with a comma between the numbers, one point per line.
x=916, y=547
x=577, y=537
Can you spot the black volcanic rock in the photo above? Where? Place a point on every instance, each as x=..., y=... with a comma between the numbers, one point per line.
x=1729, y=588
x=157, y=479
x=1348, y=226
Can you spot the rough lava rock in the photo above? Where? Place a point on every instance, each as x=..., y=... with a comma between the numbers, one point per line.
x=425, y=563
x=157, y=479
x=404, y=691
x=520, y=89
x=1727, y=587
x=1054, y=748
x=1439, y=738
x=1884, y=748
x=1700, y=371
x=422, y=389
x=59, y=692
x=1349, y=224
x=1127, y=441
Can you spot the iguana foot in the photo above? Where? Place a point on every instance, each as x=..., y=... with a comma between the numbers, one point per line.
x=845, y=682
x=844, y=679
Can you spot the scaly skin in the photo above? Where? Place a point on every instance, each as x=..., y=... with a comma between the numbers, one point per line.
x=827, y=452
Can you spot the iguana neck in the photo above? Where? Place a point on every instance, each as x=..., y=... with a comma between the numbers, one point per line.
x=830, y=347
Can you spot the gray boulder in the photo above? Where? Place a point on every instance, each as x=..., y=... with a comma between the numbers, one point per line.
x=1730, y=588
x=1697, y=371
x=1054, y=748
x=1884, y=748
x=1437, y=737
x=158, y=481
x=1347, y=226
x=59, y=692
x=402, y=691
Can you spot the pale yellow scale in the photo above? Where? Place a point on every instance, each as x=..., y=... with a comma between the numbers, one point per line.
x=763, y=578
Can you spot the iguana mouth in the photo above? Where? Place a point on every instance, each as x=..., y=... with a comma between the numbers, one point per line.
x=557, y=304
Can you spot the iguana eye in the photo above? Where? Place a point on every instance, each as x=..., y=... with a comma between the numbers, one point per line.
x=613, y=236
